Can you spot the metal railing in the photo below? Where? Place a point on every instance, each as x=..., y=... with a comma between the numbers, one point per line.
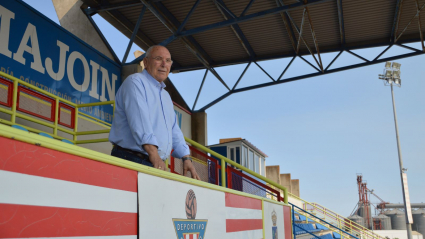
x=13, y=112
x=335, y=219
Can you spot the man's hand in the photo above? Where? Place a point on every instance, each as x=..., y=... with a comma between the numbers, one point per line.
x=188, y=166
x=152, y=151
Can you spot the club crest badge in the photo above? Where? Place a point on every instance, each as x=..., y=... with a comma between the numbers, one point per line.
x=274, y=227
x=190, y=228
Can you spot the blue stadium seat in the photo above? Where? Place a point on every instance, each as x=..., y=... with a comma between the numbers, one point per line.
x=337, y=235
x=19, y=127
x=67, y=141
x=320, y=226
x=45, y=135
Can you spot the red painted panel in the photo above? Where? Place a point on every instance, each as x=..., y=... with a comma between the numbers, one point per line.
x=22, y=221
x=287, y=222
x=237, y=225
x=233, y=200
x=30, y=159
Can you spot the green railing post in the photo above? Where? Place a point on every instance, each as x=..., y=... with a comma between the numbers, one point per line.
x=55, y=130
x=223, y=173
x=15, y=97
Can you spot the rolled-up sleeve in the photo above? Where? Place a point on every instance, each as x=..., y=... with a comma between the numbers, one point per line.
x=179, y=144
x=137, y=112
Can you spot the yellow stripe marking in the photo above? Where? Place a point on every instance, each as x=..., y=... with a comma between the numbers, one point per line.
x=35, y=99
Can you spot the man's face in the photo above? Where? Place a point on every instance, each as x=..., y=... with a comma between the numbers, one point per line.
x=158, y=64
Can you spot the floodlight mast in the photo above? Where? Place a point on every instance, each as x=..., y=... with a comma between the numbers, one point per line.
x=391, y=77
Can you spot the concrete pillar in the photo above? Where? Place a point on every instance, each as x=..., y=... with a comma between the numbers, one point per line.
x=295, y=187
x=199, y=128
x=285, y=180
x=130, y=69
x=273, y=173
x=72, y=18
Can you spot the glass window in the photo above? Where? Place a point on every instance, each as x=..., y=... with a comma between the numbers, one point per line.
x=232, y=154
x=263, y=167
x=238, y=155
x=245, y=156
x=251, y=160
x=257, y=163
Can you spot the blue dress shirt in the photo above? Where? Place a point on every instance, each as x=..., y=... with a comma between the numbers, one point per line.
x=144, y=114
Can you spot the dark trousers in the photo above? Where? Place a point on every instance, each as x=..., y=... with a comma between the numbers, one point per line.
x=130, y=156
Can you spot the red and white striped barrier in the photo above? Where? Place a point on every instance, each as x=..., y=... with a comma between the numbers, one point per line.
x=46, y=193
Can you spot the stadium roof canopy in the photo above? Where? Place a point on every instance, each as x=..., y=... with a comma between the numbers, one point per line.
x=203, y=34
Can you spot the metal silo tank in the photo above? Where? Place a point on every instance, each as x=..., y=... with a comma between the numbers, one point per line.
x=419, y=221
x=398, y=220
x=357, y=219
x=384, y=221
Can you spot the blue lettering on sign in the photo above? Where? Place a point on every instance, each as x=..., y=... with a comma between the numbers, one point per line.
x=179, y=118
x=38, y=51
x=185, y=227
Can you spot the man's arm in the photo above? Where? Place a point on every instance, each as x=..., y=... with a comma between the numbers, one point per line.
x=182, y=150
x=152, y=151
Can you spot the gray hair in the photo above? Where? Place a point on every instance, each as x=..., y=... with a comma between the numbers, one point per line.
x=148, y=52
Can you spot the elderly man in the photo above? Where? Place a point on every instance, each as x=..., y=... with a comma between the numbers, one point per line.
x=145, y=129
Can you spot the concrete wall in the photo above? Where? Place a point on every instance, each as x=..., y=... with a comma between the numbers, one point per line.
x=285, y=180
x=295, y=187
x=273, y=173
x=72, y=18
x=199, y=128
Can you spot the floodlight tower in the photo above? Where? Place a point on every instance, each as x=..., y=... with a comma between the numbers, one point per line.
x=391, y=76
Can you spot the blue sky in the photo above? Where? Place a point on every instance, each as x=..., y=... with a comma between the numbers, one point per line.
x=323, y=130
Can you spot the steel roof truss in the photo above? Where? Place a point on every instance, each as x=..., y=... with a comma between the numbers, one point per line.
x=397, y=14
x=356, y=55
x=188, y=16
x=286, y=68
x=341, y=22
x=265, y=72
x=235, y=28
x=166, y=18
x=386, y=49
x=134, y=34
x=200, y=89
x=247, y=8
x=317, y=69
x=240, y=77
x=336, y=57
x=316, y=44
x=419, y=9
x=288, y=27
x=420, y=26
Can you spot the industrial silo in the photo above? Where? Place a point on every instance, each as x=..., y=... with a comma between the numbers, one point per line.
x=398, y=220
x=365, y=212
x=357, y=219
x=382, y=222
x=419, y=221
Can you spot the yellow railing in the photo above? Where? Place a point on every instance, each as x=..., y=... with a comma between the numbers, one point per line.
x=54, y=125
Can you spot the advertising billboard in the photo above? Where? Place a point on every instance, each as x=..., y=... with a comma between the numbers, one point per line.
x=38, y=51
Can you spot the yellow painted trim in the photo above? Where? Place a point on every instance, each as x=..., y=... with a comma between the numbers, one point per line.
x=5, y=111
x=14, y=98
x=65, y=110
x=103, y=131
x=199, y=161
x=4, y=86
x=224, y=159
x=35, y=98
x=34, y=120
x=9, y=132
x=264, y=222
x=89, y=141
x=55, y=130
x=96, y=104
x=76, y=124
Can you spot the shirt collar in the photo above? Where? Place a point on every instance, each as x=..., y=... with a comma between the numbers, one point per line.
x=152, y=80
